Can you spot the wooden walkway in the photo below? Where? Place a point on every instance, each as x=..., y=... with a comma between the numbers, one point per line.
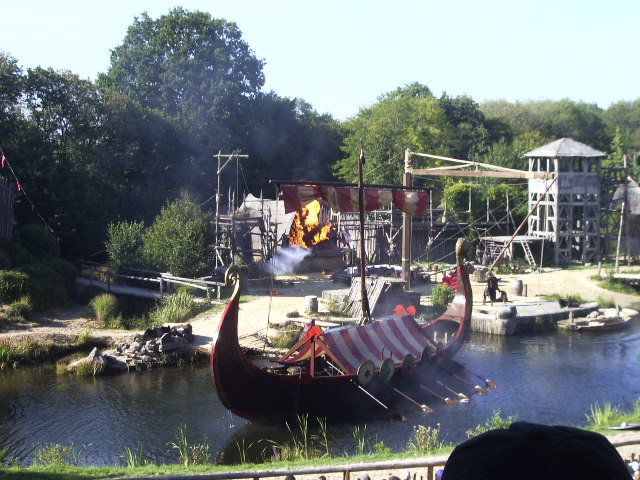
x=119, y=289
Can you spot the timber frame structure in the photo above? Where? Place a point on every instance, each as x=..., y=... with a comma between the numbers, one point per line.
x=568, y=209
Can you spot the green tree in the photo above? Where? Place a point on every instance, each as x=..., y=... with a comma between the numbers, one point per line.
x=178, y=239
x=625, y=116
x=459, y=197
x=194, y=68
x=409, y=117
x=124, y=243
x=552, y=120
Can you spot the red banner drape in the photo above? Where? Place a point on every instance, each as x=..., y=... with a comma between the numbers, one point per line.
x=343, y=199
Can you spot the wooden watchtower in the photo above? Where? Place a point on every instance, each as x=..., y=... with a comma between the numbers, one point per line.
x=569, y=212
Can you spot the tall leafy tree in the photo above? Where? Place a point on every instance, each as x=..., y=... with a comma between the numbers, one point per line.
x=194, y=68
x=409, y=117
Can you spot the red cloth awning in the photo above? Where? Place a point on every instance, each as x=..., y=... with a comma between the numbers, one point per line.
x=345, y=199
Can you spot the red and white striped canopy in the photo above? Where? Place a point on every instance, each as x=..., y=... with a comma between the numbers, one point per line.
x=344, y=199
x=395, y=338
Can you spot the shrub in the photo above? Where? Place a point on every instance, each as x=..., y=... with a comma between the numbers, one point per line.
x=46, y=285
x=104, y=307
x=39, y=242
x=20, y=308
x=442, y=295
x=17, y=254
x=13, y=285
x=174, y=309
x=496, y=421
x=124, y=243
x=178, y=240
x=54, y=454
x=425, y=439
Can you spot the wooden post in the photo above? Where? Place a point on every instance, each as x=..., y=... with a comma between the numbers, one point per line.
x=364, y=299
x=406, y=223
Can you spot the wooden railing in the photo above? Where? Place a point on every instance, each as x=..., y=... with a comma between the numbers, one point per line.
x=423, y=469
x=100, y=272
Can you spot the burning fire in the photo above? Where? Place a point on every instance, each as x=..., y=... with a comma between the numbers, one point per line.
x=306, y=230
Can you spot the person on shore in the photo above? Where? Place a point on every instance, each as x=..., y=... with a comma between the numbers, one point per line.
x=491, y=289
x=530, y=451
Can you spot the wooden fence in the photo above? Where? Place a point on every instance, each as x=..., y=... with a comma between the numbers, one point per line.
x=126, y=280
x=422, y=469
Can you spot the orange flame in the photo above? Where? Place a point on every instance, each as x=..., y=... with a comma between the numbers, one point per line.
x=306, y=230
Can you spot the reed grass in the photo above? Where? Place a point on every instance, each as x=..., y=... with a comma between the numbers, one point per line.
x=135, y=457
x=603, y=416
x=174, y=309
x=104, y=306
x=301, y=444
x=20, y=309
x=12, y=355
x=191, y=453
x=85, y=369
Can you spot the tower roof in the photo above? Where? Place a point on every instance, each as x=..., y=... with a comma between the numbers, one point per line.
x=565, y=147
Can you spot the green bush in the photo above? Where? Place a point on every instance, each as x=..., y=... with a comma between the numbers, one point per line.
x=46, y=285
x=178, y=240
x=124, y=243
x=20, y=308
x=39, y=242
x=104, y=307
x=496, y=421
x=13, y=285
x=17, y=254
x=442, y=295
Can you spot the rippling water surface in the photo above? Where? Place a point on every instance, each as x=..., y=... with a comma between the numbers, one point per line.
x=552, y=378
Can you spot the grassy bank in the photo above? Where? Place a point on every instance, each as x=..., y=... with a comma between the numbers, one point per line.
x=303, y=449
x=27, y=352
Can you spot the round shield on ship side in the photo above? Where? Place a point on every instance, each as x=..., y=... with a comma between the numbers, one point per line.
x=387, y=369
x=426, y=354
x=366, y=371
x=408, y=364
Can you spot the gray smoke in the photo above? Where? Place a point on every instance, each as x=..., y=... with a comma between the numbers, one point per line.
x=286, y=260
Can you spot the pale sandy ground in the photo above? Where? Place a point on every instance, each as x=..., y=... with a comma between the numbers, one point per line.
x=258, y=316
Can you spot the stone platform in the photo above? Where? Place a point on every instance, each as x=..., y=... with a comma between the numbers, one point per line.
x=520, y=317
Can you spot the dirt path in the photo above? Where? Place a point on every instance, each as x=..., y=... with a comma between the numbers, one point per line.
x=258, y=315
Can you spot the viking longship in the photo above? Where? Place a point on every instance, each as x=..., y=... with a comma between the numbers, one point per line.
x=378, y=367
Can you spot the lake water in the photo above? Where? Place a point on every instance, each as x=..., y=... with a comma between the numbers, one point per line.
x=551, y=378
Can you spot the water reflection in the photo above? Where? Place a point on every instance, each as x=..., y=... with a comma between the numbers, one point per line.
x=552, y=378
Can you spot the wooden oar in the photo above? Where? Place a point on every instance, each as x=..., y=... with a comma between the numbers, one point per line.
x=489, y=383
x=379, y=402
x=422, y=406
x=462, y=396
x=477, y=388
x=445, y=399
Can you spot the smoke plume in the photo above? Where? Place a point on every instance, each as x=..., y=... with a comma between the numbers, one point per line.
x=286, y=260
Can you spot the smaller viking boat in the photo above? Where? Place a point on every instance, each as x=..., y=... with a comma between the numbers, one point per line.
x=363, y=371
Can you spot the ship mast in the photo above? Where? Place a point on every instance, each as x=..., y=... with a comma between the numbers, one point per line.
x=366, y=314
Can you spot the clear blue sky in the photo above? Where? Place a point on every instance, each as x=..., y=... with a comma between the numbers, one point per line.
x=340, y=55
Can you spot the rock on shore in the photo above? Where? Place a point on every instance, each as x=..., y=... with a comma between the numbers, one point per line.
x=164, y=345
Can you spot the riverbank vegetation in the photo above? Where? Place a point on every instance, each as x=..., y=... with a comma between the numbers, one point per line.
x=306, y=446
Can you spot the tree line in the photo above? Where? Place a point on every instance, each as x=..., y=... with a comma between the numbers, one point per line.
x=185, y=86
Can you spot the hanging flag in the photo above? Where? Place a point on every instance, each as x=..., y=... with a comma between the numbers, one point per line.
x=4, y=160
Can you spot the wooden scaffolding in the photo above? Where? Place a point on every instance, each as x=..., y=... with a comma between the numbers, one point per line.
x=567, y=208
